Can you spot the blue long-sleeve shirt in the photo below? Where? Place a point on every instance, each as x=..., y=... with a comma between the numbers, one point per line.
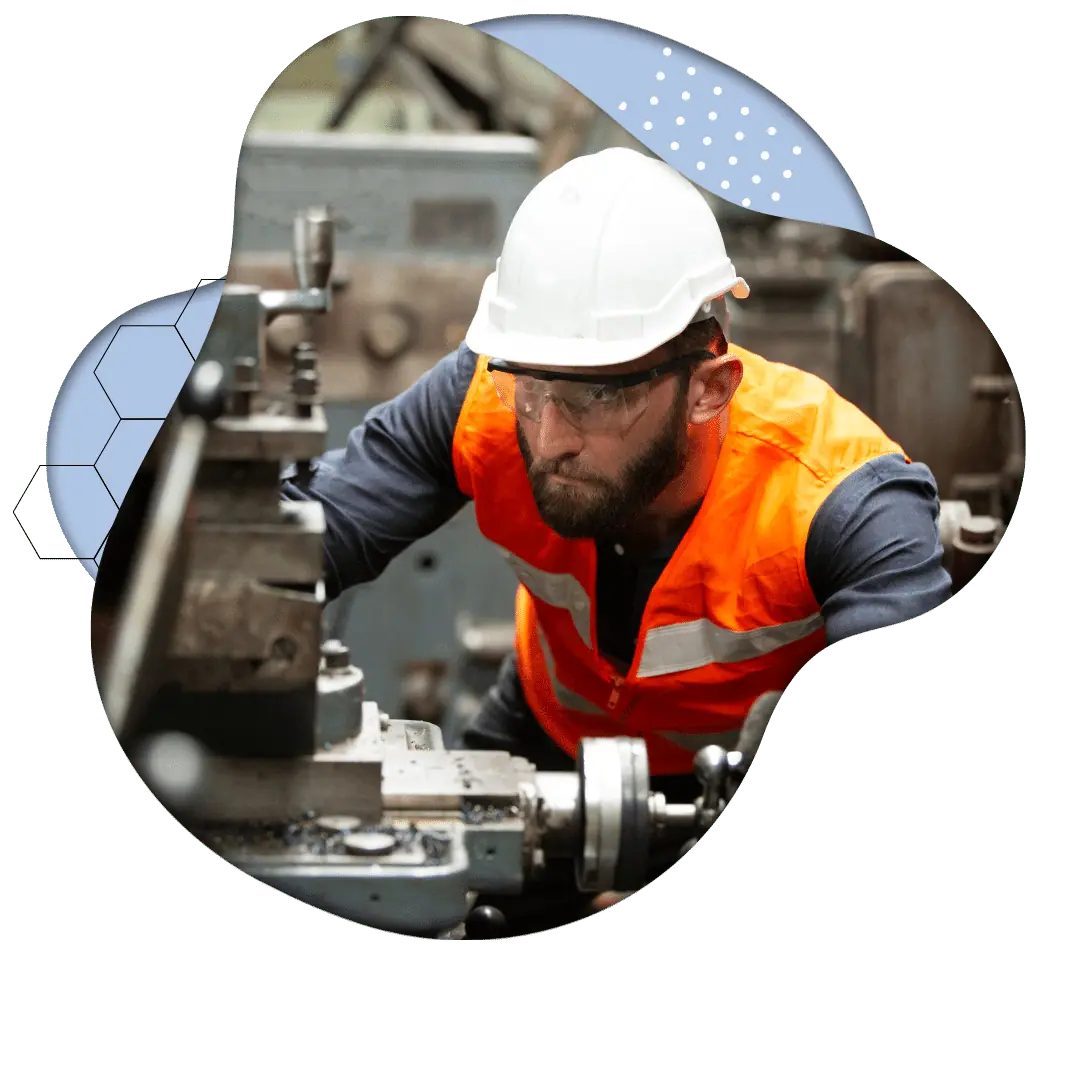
x=873, y=555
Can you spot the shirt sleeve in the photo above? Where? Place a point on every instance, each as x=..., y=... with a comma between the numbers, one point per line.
x=393, y=483
x=874, y=555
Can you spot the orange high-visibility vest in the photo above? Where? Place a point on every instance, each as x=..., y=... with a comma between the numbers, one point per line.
x=733, y=614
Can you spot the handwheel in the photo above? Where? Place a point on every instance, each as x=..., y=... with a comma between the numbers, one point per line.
x=614, y=798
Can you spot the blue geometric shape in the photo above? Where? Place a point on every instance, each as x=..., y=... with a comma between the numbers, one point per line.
x=90, y=357
x=124, y=454
x=195, y=320
x=162, y=311
x=75, y=426
x=80, y=444
x=143, y=370
x=724, y=131
x=83, y=505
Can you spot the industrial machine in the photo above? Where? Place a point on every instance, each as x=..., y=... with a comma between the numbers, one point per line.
x=901, y=344
x=229, y=679
x=419, y=220
x=258, y=734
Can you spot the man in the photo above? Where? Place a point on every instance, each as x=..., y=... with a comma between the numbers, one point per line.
x=690, y=522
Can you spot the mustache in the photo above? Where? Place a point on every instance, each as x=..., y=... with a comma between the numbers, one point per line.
x=564, y=467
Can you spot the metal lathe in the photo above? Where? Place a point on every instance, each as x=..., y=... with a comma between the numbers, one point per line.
x=256, y=732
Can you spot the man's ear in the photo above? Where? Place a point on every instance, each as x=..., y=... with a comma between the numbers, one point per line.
x=712, y=386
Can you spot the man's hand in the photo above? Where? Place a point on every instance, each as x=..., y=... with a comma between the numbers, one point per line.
x=606, y=899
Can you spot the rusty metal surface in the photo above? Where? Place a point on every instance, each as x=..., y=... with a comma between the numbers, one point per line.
x=290, y=550
x=920, y=345
x=798, y=308
x=238, y=328
x=267, y=438
x=793, y=313
x=246, y=506
x=435, y=298
x=238, y=619
x=155, y=593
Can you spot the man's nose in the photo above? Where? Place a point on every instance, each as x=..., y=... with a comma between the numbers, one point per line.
x=556, y=437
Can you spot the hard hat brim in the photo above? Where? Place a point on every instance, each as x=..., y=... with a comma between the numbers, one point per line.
x=536, y=350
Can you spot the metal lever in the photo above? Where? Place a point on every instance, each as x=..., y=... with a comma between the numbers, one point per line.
x=313, y=260
x=752, y=732
x=721, y=773
x=313, y=248
x=711, y=770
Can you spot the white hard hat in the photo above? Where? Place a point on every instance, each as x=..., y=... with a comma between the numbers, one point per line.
x=606, y=259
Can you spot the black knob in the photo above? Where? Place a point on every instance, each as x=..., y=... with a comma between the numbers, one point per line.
x=485, y=922
x=203, y=394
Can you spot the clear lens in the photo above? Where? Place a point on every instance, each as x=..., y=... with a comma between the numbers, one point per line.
x=589, y=407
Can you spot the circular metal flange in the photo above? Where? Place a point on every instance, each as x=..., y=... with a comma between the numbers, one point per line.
x=614, y=778
x=633, y=863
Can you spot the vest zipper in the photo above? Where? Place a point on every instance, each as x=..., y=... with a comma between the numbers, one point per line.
x=616, y=691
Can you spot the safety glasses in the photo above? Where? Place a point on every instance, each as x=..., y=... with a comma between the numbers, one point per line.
x=611, y=405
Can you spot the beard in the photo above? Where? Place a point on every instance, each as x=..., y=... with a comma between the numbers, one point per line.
x=603, y=507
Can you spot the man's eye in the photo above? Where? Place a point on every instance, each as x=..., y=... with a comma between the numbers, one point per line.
x=606, y=395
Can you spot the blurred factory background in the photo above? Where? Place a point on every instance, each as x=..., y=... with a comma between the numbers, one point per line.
x=424, y=137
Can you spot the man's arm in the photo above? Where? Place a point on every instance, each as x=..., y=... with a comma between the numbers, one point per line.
x=874, y=554
x=393, y=483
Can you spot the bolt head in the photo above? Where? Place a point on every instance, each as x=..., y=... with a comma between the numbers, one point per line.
x=335, y=654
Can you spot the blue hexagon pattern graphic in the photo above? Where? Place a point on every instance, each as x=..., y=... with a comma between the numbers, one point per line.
x=143, y=370
x=124, y=453
x=111, y=405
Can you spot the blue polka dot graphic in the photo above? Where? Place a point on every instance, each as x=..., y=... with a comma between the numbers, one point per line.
x=721, y=129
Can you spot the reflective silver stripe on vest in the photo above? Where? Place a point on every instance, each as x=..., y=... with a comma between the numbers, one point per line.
x=563, y=694
x=693, y=743
x=690, y=645
x=559, y=590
